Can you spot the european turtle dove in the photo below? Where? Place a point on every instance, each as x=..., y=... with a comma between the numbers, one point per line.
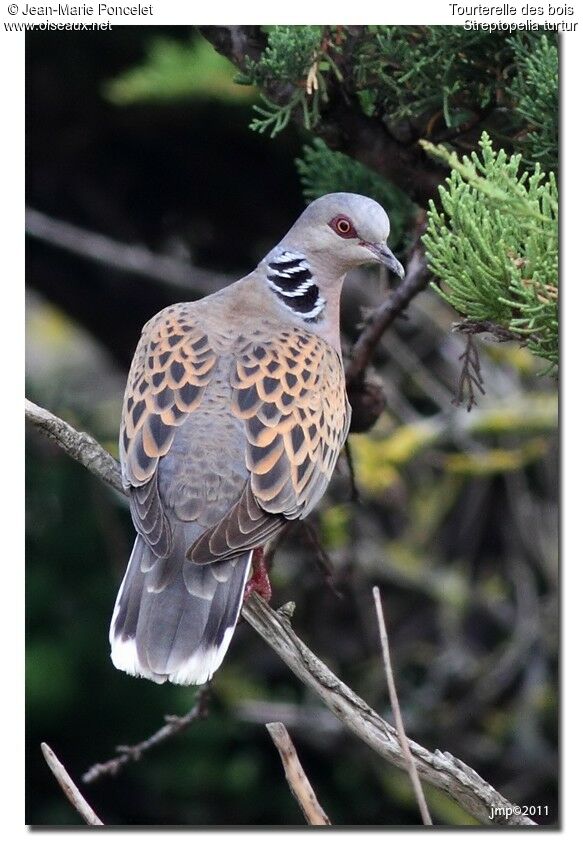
x=234, y=414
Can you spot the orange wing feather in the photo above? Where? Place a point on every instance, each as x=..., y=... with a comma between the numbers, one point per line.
x=290, y=392
x=172, y=366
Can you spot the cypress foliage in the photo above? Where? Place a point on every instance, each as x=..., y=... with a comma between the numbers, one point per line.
x=492, y=241
x=535, y=92
x=300, y=58
x=494, y=245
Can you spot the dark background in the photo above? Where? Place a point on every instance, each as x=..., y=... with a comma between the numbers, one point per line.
x=464, y=551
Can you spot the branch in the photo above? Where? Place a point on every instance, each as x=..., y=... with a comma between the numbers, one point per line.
x=314, y=722
x=383, y=317
x=133, y=259
x=470, y=378
x=411, y=769
x=236, y=42
x=442, y=770
x=174, y=724
x=439, y=769
x=70, y=790
x=342, y=125
x=296, y=778
x=79, y=446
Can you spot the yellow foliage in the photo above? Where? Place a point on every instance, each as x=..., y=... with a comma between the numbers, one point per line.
x=335, y=532
x=376, y=460
x=407, y=441
x=50, y=326
x=404, y=558
x=495, y=461
x=534, y=413
x=518, y=357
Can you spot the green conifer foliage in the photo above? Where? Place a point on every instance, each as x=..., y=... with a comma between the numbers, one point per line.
x=424, y=75
x=298, y=57
x=288, y=56
x=413, y=72
x=535, y=91
x=494, y=245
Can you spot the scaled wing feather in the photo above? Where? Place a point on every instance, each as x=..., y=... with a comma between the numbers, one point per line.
x=290, y=393
x=172, y=366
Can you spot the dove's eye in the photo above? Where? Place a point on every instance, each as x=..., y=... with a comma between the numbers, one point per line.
x=343, y=227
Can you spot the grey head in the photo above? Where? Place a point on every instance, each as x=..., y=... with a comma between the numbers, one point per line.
x=334, y=234
x=345, y=230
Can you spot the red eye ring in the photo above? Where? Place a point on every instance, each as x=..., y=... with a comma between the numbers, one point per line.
x=343, y=227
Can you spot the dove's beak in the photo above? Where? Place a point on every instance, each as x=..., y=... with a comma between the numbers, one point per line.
x=385, y=256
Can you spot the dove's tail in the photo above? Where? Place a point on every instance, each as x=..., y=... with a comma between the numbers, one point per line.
x=173, y=620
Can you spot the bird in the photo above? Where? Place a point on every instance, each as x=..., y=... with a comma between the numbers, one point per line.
x=234, y=414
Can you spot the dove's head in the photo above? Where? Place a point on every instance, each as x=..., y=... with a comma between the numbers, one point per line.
x=345, y=230
x=305, y=271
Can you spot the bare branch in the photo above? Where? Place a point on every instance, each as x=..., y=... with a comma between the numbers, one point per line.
x=471, y=375
x=134, y=259
x=411, y=768
x=439, y=769
x=296, y=778
x=70, y=790
x=354, y=491
x=173, y=725
x=79, y=446
x=320, y=555
x=497, y=332
x=238, y=43
x=383, y=317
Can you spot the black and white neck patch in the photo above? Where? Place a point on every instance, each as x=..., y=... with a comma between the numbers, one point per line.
x=292, y=281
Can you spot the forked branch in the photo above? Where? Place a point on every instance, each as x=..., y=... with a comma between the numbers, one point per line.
x=134, y=752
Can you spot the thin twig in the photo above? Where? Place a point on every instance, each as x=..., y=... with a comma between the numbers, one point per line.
x=70, y=790
x=173, y=725
x=354, y=491
x=442, y=770
x=471, y=373
x=296, y=778
x=497, y=332
x=322, y=558
x=411, y=768
x=470, y=376
x=133, y=259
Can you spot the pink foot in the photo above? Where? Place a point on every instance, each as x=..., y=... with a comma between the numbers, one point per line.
x=259, y=581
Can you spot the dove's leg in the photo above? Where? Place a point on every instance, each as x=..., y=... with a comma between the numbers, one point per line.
x=259, y=581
